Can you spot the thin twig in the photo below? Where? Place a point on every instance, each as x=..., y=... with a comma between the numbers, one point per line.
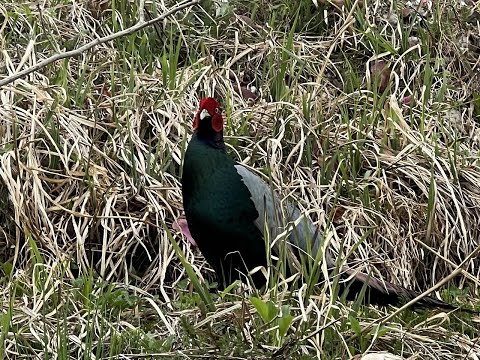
x=68, y=54
x=141, y=11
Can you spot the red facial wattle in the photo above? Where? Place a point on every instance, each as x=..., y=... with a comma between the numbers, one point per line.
x=196, y=120
x=213, y=109
x=217, y=122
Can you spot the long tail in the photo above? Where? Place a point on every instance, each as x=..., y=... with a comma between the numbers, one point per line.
x=379, y=292
x=306, y=237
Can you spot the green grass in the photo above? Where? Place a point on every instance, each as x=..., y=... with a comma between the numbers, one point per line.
x=90, y=168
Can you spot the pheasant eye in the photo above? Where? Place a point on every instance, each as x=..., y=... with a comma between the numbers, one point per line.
x=217, y=110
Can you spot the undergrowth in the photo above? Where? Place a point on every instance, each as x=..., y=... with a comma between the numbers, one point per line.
x=367, y=114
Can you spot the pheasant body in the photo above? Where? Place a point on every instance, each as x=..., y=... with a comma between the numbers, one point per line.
x=228, y=209
x=220, y=214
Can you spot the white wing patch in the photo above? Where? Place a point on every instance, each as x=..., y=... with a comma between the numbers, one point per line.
x=269, y=208
x=262, y=197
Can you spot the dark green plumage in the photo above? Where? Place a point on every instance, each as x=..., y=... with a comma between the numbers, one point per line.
x=220, y=213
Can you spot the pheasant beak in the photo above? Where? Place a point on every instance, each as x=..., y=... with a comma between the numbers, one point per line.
x=204, y=114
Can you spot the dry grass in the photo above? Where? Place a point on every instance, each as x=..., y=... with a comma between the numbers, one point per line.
x=91, y=159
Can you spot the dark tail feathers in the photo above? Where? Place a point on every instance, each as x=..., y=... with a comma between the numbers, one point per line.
x=379, y=292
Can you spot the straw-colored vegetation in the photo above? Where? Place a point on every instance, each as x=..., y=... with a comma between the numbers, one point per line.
x=367, y=114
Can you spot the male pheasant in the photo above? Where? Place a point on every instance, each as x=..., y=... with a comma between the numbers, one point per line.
x=228, y=209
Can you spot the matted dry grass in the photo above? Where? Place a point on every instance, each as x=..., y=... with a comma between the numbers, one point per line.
x=92, y=151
